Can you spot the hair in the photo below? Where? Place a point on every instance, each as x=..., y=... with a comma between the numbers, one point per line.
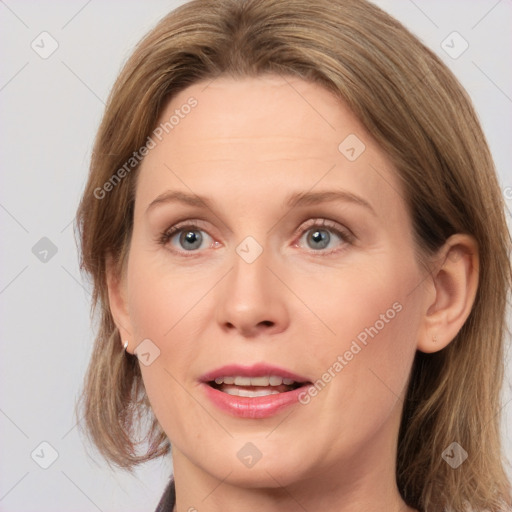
x=421, y=117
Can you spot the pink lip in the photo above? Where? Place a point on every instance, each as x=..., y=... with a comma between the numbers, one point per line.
x=247, y=407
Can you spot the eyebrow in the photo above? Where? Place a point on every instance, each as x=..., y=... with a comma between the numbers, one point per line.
x=296, y=199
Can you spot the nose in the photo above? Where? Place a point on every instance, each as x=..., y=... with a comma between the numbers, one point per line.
x=252, y=301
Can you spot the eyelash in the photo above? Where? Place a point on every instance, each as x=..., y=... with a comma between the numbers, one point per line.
x=343, y=233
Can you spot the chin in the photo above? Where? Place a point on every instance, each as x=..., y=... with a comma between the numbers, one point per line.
x=257, y=463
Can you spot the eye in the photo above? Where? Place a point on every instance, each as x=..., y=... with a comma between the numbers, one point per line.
x=320, y=234
x=186, y=238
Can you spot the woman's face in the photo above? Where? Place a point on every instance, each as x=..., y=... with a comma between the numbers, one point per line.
x=297, y=263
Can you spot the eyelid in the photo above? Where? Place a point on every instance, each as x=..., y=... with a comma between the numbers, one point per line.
x=187, y=223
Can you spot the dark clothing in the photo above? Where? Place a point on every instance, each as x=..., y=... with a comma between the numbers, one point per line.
x=168, y=499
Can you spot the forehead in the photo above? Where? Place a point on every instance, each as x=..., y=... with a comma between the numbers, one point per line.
x=254, y=137
x=263, y=112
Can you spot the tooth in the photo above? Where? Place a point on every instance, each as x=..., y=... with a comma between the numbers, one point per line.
x=232, y=391
x=259, y=381
x=265, y=392
x=275, y=380
x=246, y=392
x=261, y=392
x=241, y=381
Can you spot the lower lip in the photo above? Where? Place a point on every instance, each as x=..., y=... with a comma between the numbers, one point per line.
x=254, y=408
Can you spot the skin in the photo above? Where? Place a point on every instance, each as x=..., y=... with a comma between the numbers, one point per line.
x=247, y=145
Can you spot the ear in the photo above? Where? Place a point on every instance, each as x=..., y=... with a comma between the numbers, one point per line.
x=116, y=284
x=454, y=283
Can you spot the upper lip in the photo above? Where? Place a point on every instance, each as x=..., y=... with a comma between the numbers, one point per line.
x=255, y=370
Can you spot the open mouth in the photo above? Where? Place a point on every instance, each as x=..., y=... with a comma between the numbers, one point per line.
x=254, y=391
x=254, y=386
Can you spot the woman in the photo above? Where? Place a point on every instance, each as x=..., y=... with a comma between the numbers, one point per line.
x=298, y=246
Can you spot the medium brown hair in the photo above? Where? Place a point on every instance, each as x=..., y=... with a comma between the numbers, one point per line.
x=414, y=107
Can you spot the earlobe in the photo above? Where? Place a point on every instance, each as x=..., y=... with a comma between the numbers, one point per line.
x=117, y=301
x=454, y=282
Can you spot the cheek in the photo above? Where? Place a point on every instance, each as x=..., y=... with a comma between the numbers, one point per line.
x=369, y=391
x=373, y=320
x=160, y=297
x=166, y=306
x=367, y=300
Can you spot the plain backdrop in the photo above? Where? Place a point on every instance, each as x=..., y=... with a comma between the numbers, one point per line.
x=51, y=106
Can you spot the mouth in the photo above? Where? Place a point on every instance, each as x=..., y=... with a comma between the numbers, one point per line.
x=254, y=386
x=255, y=392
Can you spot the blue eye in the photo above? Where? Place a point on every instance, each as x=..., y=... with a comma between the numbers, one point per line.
x=190, y=239
x=318, y=237
x=184, y=238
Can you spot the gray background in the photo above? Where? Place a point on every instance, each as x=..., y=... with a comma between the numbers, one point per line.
x=50, y=110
